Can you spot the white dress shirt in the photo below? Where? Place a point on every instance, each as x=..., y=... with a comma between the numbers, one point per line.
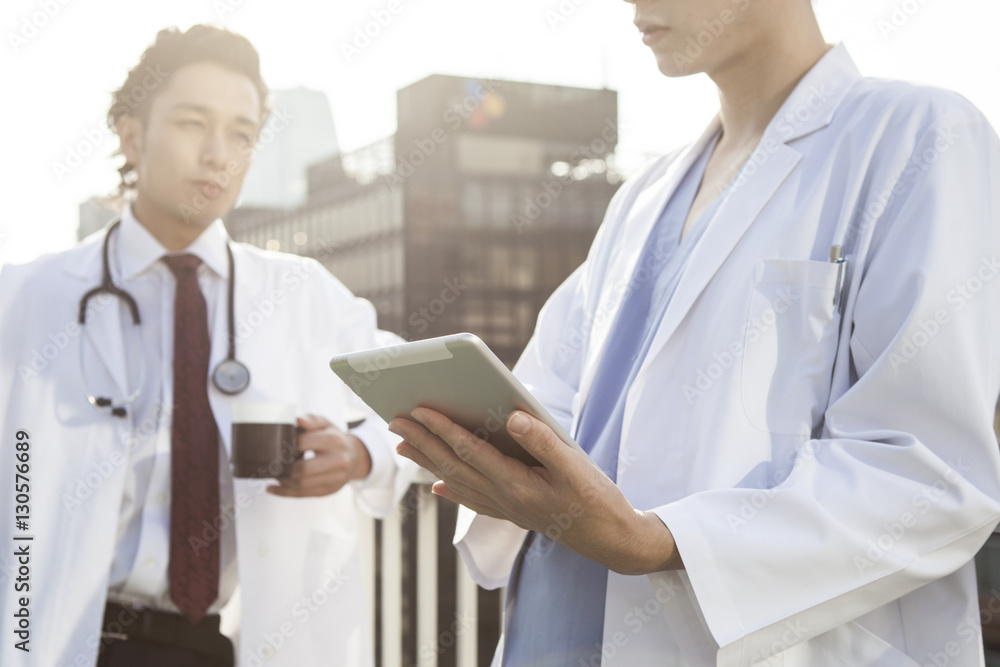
x=142, y=549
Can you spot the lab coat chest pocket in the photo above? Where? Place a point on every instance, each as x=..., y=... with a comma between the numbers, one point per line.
x=790, y=343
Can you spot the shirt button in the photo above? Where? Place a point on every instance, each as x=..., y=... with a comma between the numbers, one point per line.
x=263, y=549
x=150, y=562
x=267, y=652
x=162, y=498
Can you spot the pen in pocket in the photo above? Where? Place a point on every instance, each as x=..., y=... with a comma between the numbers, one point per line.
x=837, y=257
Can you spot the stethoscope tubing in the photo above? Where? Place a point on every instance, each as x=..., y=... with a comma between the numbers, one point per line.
x=107, y=286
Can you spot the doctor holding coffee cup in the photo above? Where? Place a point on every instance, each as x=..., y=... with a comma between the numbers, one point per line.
x=308, y=455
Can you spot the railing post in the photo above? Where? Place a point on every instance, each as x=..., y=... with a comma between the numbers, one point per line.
x=467, y=646
x=366, y=553
x=427, y=578
x=392, y=590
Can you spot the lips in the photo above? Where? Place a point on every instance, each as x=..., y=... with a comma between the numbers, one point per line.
x=208, y=188
x=650, y=38
x=651, y=32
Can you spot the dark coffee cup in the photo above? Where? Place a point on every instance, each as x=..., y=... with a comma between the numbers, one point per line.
x=264, y=443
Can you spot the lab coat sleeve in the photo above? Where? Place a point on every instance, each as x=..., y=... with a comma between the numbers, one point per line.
x=904, y=486
x=390, y=475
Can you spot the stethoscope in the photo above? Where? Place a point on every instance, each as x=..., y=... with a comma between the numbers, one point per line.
x=230, y=375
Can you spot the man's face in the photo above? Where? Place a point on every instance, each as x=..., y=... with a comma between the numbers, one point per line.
x=193, y=151
x=690, y=36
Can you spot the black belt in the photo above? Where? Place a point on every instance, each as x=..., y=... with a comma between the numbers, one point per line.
x=124, y=622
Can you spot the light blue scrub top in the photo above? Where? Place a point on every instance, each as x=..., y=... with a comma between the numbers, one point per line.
x=555, y=599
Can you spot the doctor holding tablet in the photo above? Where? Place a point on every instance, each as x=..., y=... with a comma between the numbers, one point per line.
x=782, y=355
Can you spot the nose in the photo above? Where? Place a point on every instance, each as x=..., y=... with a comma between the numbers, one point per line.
x=215, y=150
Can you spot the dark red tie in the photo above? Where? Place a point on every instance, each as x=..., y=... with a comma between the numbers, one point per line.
x=194, y=476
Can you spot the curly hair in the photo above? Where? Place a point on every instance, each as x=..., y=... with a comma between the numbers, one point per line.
x=172, y=50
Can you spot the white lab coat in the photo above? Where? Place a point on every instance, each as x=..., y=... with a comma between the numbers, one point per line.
x=301, y=597
x=827, y=477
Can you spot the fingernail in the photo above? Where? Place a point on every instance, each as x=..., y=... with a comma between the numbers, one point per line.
x=416, y=415
x=518, y=423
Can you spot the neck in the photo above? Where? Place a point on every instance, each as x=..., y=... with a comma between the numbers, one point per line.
x=173, y=234
x=754, y=84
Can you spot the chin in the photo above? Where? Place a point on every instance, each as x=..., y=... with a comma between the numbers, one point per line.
x=675, y=64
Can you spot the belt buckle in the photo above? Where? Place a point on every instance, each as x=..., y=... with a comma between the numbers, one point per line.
x=126, y=626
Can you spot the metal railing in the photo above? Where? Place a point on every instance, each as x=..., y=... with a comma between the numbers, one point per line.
x=386, y=600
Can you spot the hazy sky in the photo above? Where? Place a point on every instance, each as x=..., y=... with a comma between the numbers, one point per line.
x=56, y=79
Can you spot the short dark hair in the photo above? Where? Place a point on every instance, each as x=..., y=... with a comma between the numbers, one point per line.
x=172, y=50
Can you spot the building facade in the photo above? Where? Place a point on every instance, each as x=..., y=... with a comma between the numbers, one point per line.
x=487, y=198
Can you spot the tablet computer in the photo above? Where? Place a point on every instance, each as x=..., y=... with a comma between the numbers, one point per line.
x=455, y=375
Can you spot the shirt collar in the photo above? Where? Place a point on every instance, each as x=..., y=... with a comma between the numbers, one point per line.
x=138, y=249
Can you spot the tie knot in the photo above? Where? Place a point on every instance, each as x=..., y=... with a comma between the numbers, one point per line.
x=183, y=266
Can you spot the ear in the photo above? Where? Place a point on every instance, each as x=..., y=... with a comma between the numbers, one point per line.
x=130, y=134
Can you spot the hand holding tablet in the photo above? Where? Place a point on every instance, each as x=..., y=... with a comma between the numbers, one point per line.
x=455, y=375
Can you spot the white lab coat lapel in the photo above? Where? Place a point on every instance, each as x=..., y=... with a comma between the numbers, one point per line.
x=641, y=217
x=810, y=107
x=731, y=221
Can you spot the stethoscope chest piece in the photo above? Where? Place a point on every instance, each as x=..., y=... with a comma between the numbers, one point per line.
x=231, y=377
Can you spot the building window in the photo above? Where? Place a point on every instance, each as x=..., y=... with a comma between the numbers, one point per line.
x=501, y=206
x=472, y=204
x=500, y=267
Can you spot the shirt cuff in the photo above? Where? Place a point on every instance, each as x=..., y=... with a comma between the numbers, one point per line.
x=383, y=467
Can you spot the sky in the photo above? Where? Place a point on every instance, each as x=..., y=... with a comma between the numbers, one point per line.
x=60, y=60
